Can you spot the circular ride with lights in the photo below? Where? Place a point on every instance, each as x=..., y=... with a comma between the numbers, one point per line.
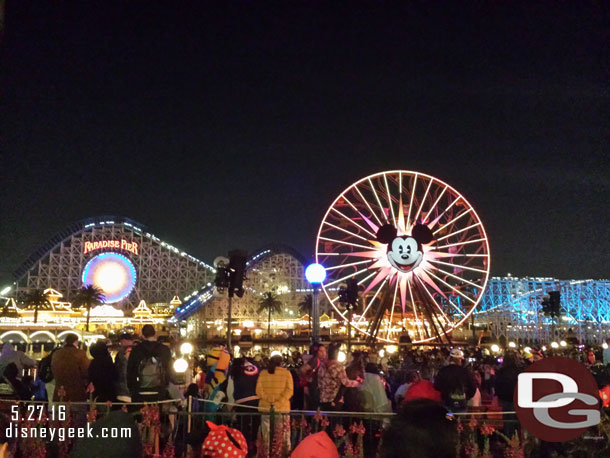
x=113, y=273
x=417, y=250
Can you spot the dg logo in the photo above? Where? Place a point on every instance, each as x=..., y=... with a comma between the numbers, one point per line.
x=556, y=399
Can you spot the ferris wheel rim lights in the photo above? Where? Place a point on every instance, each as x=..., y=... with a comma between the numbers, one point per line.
x=404, y=230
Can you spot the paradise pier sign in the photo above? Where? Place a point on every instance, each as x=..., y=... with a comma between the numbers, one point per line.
x=122, y=244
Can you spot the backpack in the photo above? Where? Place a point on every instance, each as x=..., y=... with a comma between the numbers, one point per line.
x=45, y=373
x=151, y=373
x=457, y=398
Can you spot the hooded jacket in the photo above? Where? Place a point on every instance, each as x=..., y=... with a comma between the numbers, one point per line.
x=10, y=355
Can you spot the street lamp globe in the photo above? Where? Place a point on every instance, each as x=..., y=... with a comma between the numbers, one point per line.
x=180, y=365
x=186, y=348
x=315, y=273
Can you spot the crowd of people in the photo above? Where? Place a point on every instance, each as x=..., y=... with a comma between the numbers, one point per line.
x=140, y=371
x=457, y=380
x=452, y=379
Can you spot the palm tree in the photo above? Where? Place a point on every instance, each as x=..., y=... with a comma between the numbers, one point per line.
x=37, y=299
x=306, y=306
x=89, y=296
x=271, y=304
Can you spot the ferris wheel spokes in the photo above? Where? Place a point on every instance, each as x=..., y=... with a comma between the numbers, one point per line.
x=425, y=275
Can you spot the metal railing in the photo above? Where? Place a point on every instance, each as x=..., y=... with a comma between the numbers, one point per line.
x=183, y=423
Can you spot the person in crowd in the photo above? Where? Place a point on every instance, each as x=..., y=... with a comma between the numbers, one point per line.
x=199, y=377
x=241, y=390
x=148, y=368
x=606, y=353
x=354, y=371
x=403, y=381
x=120, y=364
x=10, y=355
x=505, y=383
x=36, y=387
x=421, y=387
x=192, y=392
x=455, y=383
x=274, y=389
x=331, y=379
x=12, y=386
x=298, y=397
x=475, y=401
x=374, y=398
x=102, y=373
x=506, y=380
x=309, y=375
x=420, y=430
x=69, y=366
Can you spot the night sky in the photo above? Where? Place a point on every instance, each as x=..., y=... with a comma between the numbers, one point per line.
x=222, y=127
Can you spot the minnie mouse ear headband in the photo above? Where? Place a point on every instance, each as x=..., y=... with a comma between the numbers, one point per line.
x=420, y=232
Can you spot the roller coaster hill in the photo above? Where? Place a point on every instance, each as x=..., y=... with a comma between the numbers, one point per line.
x=131, y=264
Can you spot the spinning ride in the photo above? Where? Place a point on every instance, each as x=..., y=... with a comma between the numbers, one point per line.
x=417, y=249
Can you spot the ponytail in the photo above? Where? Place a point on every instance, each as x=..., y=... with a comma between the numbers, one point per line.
x=274, y=362
x=271, y=368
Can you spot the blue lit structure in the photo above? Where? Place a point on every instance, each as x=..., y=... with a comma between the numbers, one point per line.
x=511, y=307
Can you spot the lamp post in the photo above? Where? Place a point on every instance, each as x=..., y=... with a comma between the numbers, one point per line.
x=315, y=274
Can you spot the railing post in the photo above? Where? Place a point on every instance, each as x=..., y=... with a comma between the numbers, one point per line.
x=271, y=428
x=189, y=410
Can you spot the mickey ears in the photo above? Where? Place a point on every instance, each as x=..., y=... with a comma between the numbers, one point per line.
x=386, y=233
x=422, y=233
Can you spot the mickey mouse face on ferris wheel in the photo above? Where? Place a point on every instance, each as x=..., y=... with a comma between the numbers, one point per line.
x=405, y=253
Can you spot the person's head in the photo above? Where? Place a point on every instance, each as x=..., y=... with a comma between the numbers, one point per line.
x=99, y=350
x=426, y=373
x=199, y=369
x=192, y=390
x=237, y=367
x=11, y=371
x=274, y=361
x=148, y=332
x=412, y=377
x=319, y=351
x=126, y=340
x=510, y=359
x=456, y=356
x=71, y=340
x=333, y=352
x=420, y=430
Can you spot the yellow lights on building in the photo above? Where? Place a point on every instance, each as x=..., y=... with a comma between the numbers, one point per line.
x=60, y=314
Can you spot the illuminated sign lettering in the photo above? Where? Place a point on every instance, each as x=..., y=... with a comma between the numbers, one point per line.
x=122, y=244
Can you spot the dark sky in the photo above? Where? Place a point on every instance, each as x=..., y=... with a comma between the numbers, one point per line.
x=221, y=127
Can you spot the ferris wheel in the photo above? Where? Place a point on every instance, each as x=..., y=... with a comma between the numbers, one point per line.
x=417, y=250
